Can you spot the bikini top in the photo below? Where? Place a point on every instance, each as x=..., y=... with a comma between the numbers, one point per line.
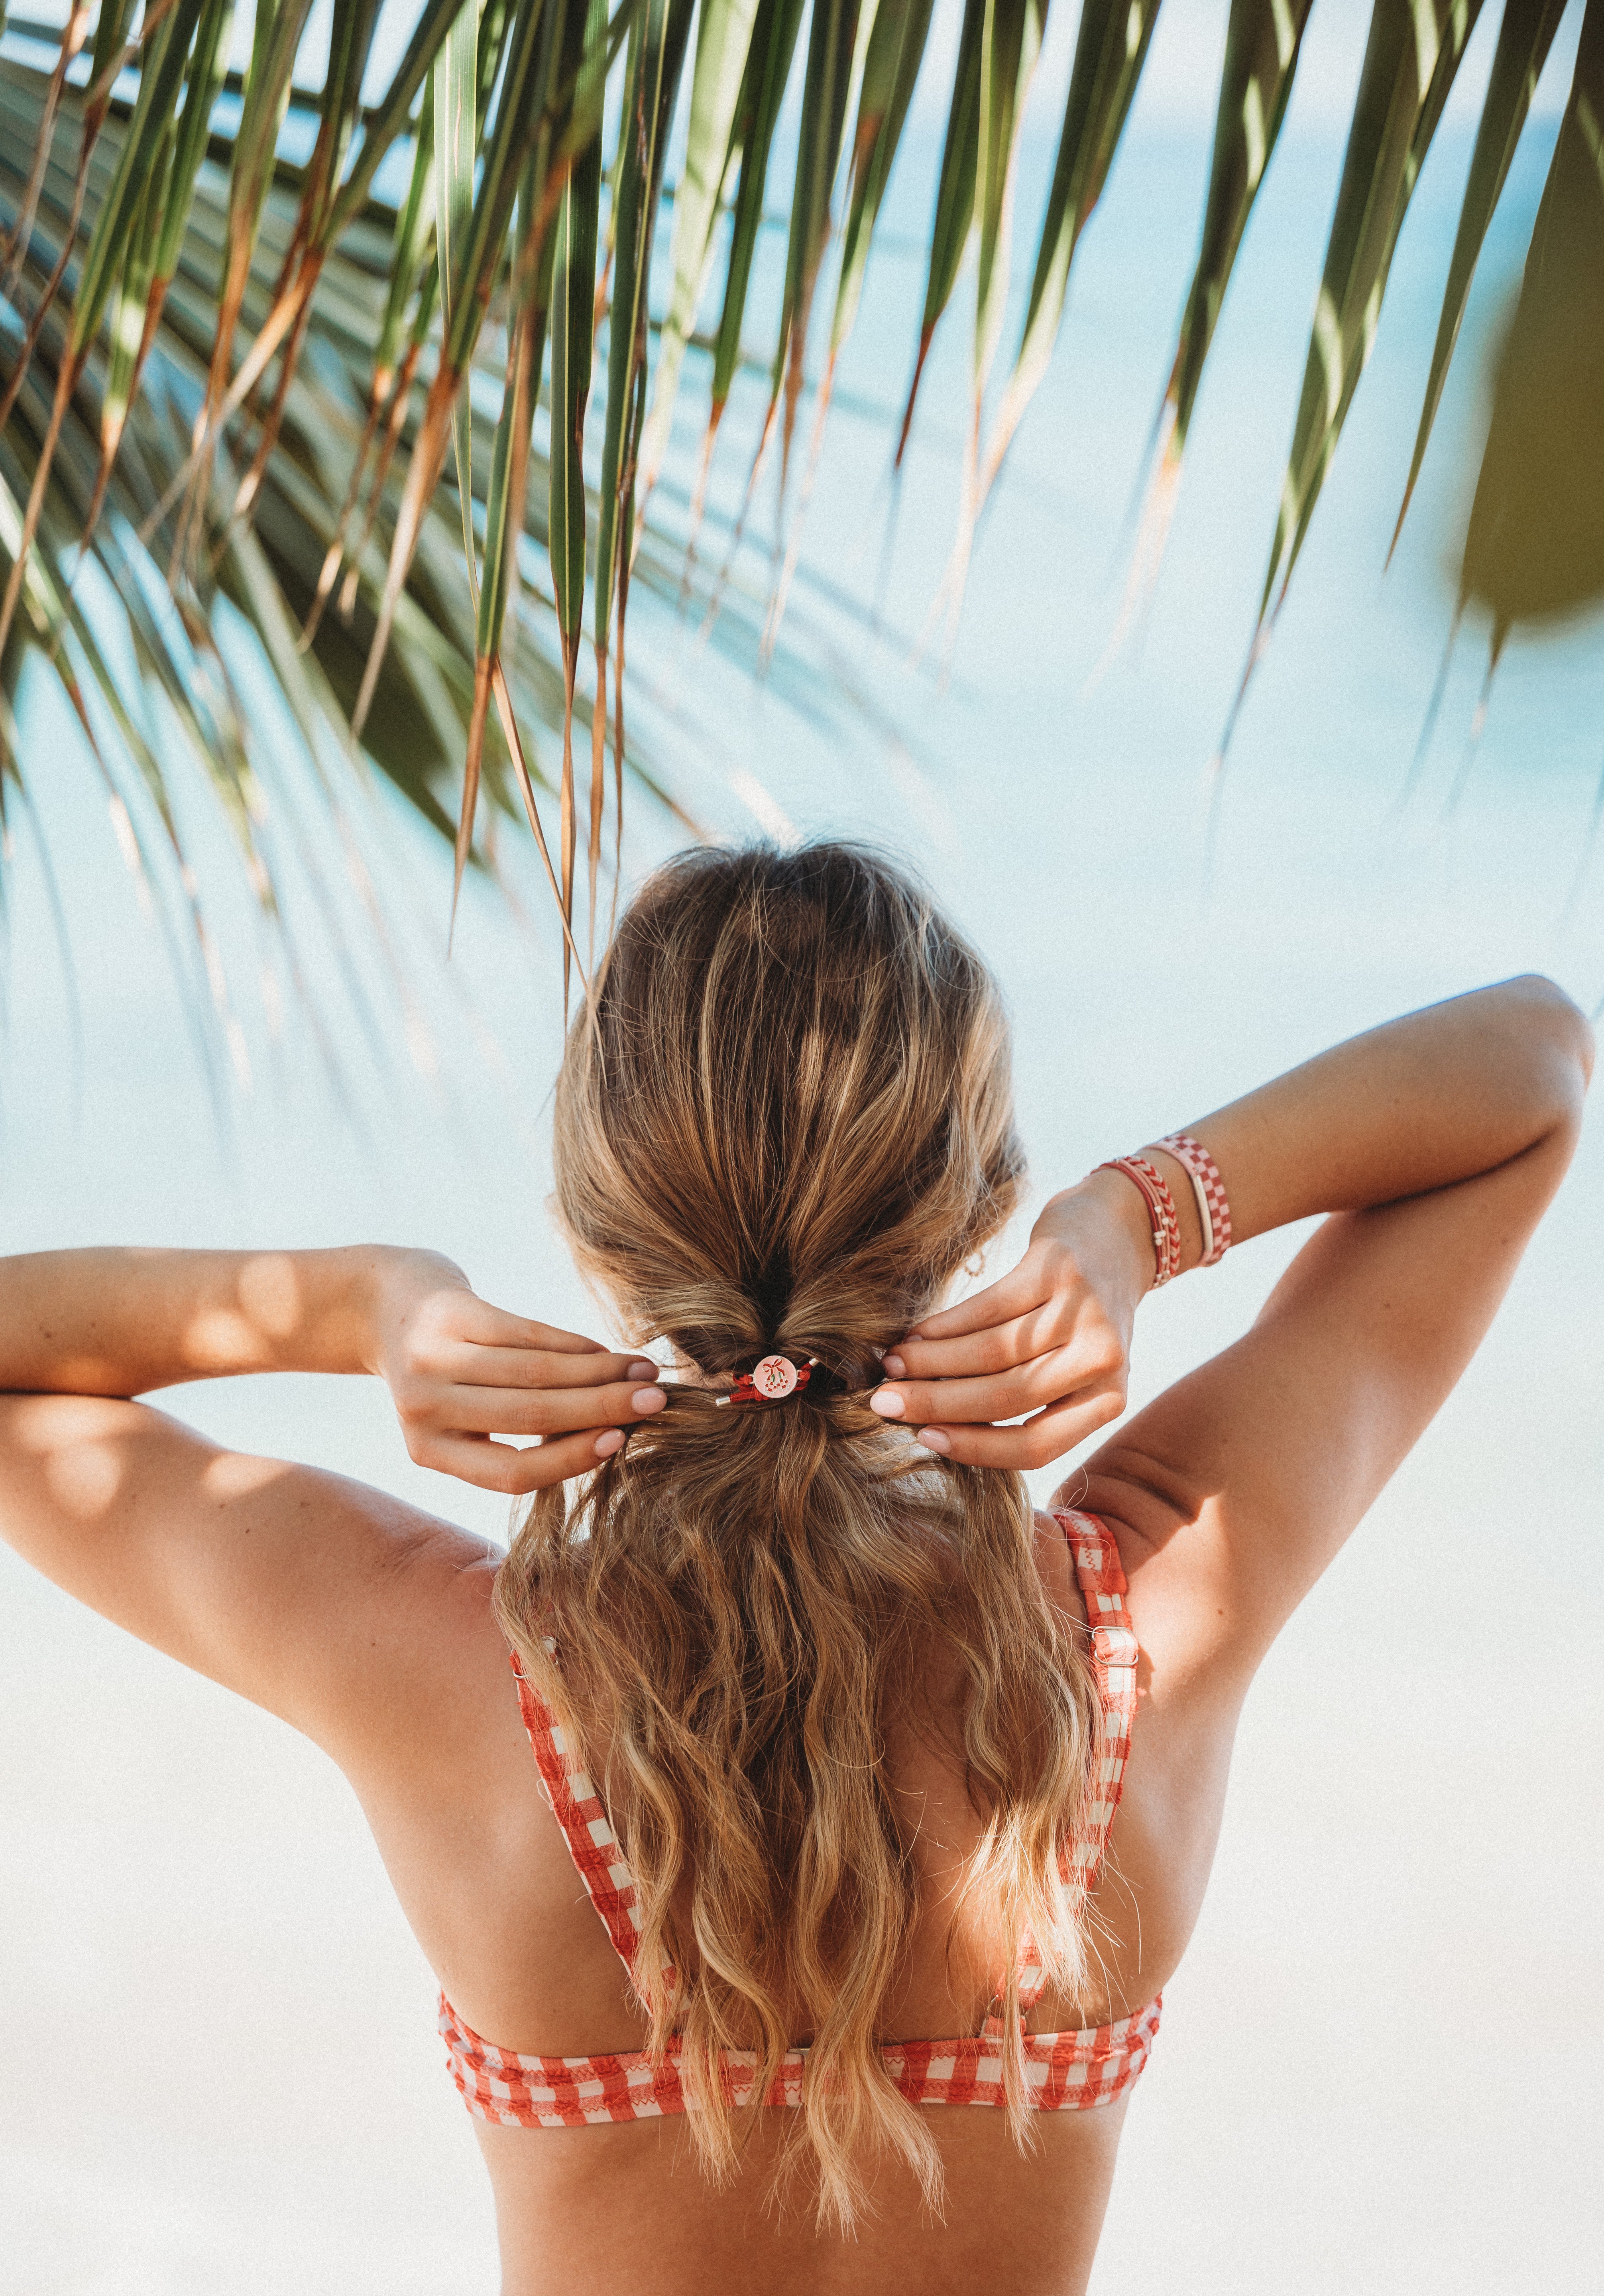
x=1064, y=2071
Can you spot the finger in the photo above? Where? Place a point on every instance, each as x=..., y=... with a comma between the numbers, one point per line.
x=503, y=1467
x=1036, y=1444
x=476, y=1319
x=488, y=1467
x=470, y=1364
x=1045, y=1326
x=1054, y=1377
x=545, y=1411
x=1011, y=1295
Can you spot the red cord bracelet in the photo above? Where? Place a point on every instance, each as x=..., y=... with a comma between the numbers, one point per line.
x=1161, y=1208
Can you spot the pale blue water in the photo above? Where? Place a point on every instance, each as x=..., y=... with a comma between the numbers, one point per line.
x=1393, y=1995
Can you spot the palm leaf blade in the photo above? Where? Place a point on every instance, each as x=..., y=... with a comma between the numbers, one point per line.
x=724, y=41
x=1525, y=36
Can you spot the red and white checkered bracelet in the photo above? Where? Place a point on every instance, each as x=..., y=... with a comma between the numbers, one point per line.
x=1213, y=1213
x=1161, y=1209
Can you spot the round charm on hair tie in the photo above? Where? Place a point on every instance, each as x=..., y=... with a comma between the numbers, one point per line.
x=770, y=1380
x=775, y=1378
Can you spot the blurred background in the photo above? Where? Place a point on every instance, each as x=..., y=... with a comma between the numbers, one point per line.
x=1380, y=2067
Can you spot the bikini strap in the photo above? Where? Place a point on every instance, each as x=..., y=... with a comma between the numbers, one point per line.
x=599, y=1857
x=587, y=1828
x=1100, y=1577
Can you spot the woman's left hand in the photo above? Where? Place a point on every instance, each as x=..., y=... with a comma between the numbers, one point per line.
x=1053, y=1339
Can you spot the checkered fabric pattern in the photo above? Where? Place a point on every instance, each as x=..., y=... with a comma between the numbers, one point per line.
x=1102, y=1580
x=1209, y=1188
x=1063, y=2071
x=587, y=1827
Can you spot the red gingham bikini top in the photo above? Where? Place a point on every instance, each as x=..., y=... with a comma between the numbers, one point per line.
x=1064, y=2071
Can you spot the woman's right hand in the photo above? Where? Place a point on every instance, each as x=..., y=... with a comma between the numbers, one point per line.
x=460, y=1372
x=1051, y=1339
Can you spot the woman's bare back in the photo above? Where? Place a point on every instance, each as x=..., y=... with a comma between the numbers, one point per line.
x=1437, y=1142
x=525, y=1961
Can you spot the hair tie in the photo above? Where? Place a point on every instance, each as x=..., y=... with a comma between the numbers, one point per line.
x=771, y=1380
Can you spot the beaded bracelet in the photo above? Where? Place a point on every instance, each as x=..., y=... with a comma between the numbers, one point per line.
x=1161, y=1210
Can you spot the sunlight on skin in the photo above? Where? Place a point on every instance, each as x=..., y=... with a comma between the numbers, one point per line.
x=86, y=1482
x=79, y=1440
x=48, y=1422
x=83, y=1478
x=218, y=1339
x=231, y=1476
x=270, y=1293
x=84, y=1444
x=274, y=1310
x=272, y=1307
x=86, y=1375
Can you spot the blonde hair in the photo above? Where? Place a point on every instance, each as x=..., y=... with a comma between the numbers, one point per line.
x=788, y=1122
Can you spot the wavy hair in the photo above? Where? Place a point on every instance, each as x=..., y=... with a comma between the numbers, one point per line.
x=785, y=1123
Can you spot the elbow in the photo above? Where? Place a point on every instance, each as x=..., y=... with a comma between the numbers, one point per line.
x=1553, y=1020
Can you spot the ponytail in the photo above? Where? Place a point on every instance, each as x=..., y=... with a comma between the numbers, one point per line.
x=733, y=1612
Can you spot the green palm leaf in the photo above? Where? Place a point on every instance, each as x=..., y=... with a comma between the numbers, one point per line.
x=954, y=215
x=249, y=377
x=1110, y=49
x=1263, y=41
x=656, y=54
x=826, y=82
x=724, y=41
x=1533, y=548
x=573, y=300
x=1523, y=38
x=1409, y=63
x=271, y=568
x=763, y=85
x=896, y=46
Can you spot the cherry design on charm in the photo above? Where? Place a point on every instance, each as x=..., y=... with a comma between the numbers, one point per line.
x=775, y=1378
x=770, y=1380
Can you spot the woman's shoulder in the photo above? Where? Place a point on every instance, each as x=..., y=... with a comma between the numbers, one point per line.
x=438, y=1716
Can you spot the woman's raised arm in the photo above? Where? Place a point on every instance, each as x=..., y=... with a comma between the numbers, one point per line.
x=116, y=1322
x=1438, y=1096
x=291, y=1586
x=1435, y=1143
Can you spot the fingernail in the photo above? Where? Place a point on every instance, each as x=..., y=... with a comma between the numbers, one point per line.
x=889, y=1407
x=643, y=1371
x=894, y=1367
x=611, y=1439
x=648, y=1398
x=931, y=1439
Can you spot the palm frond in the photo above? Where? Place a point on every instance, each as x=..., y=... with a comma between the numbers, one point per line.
x=91, y=576
x=279, y=348
x=1534, y=549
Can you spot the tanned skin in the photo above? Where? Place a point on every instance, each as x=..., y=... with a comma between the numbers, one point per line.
x=1432, y=1145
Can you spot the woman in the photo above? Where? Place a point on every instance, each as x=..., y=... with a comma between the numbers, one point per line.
x=893, y=1804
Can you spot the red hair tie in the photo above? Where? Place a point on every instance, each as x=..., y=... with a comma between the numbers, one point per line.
x=770, y=1380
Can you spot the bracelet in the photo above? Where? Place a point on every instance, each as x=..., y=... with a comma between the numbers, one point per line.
x=1161, y=1209
x=1214, y=1212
